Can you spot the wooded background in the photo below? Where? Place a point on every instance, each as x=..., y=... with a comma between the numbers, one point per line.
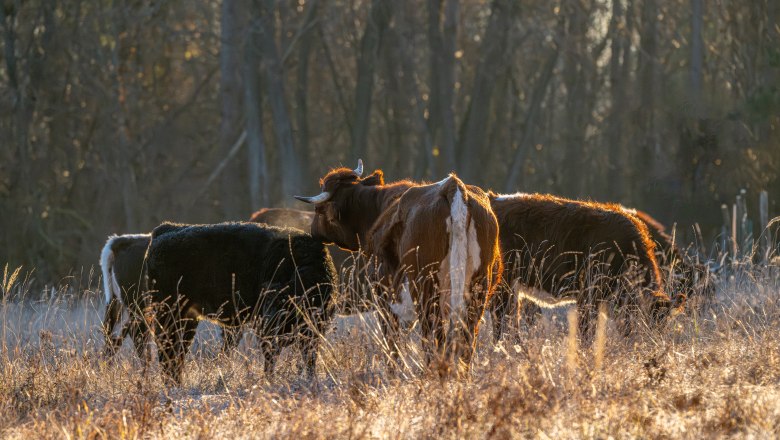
x=118, y=114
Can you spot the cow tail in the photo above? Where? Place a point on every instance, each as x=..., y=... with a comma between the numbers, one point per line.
x=110, y=284
x=460, y=250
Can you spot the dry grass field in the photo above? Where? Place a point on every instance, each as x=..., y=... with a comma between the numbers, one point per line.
x=714, y=372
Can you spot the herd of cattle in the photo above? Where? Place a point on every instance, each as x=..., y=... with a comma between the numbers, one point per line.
x=454, y=249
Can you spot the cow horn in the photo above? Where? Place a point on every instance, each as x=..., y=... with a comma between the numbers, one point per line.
x=359, y=169
x=322, y=197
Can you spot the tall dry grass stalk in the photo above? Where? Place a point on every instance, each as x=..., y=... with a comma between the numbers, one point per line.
x=571, y=341
x=600, y=342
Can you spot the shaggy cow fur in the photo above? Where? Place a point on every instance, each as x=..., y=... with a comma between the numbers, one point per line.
x=590, y=251
x=234, y=273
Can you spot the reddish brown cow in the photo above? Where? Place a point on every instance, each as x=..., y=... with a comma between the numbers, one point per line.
x=687, y=276
x=587, y=250
x=443, y=237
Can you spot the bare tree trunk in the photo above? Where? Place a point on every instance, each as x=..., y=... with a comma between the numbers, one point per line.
x=493, y=50
x=334, y=74
x=447, y=86
x=396, y=106
x=18, y=133
x=697, y=56
x=378, y=20
x=253, y=103
x=272, y=68
x=529, y=125
x=574, y=77
x=123, y=161
x=230, y=91
x=302, y=116
x=435, y=47
x=400, y=46
x=648, y=72
x=442, y=38
x=618, y=83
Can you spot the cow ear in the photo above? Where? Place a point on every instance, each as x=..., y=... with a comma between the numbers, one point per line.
x=376, y=178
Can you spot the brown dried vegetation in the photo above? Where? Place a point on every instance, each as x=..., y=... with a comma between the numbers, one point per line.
x=712, y=372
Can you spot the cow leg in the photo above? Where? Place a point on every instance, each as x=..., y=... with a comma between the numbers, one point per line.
x=174, y=337
x=271, y=352
x=439, y=328
x=231, y=337
x=309, y=345
x=110, y=320
x=499, y=307
x=586, y=318
x=388, y=321
x=528, y=313
x=429, y=314
x=426, y=328
x=470, y=329
x=138, y=329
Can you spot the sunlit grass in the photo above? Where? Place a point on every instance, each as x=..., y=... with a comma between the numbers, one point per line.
x=712, y=372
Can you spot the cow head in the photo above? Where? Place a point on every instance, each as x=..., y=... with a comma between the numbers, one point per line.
x=339, y=213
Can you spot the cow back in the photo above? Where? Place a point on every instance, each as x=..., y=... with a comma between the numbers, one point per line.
x=229, y=268
x=552, y=239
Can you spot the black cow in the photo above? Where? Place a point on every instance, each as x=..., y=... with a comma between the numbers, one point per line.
x=278, y=279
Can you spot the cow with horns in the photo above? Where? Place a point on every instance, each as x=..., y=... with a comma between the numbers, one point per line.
x=560, y=251
x=441, y=237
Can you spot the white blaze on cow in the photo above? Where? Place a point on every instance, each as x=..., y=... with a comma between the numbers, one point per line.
x=459, y=270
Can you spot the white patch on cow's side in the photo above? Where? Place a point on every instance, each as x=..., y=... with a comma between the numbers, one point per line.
x=404, y=310
x=541, y=297
x=106, y=264
x=458, y=255
x=517, y=195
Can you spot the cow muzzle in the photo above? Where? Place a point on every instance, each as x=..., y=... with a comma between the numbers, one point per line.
x=322, y=197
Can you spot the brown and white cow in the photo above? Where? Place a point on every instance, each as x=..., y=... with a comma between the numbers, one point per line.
x=442, y=237
x=586, y=251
